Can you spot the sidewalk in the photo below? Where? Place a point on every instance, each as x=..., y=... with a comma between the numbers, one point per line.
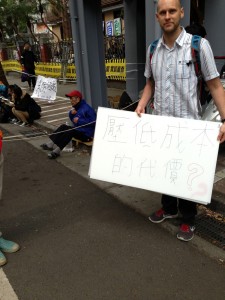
x=142, y=201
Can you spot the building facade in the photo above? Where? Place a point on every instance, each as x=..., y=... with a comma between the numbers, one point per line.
x=141, y=28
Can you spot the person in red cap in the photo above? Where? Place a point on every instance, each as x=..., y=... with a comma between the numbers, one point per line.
x=5, y=245
x=82, y=117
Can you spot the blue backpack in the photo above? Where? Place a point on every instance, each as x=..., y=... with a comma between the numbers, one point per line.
x=195, y=51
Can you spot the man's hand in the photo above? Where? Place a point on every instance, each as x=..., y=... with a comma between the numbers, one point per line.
x=221, y=135
x=140, y=110
x=75, y=120
x=73, y=111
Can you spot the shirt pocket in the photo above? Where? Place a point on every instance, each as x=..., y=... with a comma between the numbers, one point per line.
x=182, y=70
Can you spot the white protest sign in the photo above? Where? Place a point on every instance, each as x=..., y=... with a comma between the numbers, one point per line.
x=45, y=88
x=167, y=155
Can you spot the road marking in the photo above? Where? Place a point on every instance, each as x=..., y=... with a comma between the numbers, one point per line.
x=59, y=113
x=6, y=290
x=55, y=109
x=57, y=120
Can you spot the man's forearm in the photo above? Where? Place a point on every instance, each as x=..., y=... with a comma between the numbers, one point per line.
x=147, y=93
x=218, y=95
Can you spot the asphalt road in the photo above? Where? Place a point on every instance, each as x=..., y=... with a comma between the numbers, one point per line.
x=86, y=244
x=78, y=243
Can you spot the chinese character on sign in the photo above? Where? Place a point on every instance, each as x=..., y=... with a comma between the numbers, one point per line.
x=109, y=28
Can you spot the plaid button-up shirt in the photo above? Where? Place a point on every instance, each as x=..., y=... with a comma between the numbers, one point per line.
x=176, y=83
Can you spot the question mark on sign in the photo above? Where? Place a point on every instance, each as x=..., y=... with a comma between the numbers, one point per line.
x=195, y=171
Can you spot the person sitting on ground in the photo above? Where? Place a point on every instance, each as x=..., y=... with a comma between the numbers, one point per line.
x=3, y=89
x=6, y=107
x=25, y=109
x=83, y=119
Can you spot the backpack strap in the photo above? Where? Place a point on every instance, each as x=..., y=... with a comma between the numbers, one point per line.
x=195, y=52
x=152, y=49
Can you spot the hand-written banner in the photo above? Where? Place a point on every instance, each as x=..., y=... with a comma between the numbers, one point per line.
x=45, y=88
x=168, y=155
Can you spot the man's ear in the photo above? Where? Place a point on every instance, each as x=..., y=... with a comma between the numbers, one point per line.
x=182, y=12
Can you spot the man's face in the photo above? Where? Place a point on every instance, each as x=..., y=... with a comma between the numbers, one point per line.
x=26, y=46
x=169, y=13
x=74, y=100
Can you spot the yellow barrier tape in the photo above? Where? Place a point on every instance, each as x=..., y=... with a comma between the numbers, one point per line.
x=115, y=69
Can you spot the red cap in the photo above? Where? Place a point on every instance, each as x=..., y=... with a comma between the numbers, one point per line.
x=74, y=94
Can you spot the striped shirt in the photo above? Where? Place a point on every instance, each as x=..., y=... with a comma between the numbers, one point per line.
x=175, y=79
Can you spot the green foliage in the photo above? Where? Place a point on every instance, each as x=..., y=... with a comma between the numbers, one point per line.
x=16, y=15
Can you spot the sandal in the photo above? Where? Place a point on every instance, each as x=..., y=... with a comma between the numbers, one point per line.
x=53, y=155
x=45, y=147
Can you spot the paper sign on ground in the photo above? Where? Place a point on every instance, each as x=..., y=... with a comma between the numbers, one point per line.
x=45, y=88
x=167, y=155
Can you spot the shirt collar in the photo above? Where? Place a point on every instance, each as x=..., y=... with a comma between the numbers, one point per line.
x=179, y=41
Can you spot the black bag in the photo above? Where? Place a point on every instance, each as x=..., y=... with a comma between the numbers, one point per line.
x=126, y=103
x=24, y=76
x=5, y=113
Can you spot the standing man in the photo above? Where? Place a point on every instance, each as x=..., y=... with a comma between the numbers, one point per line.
x=28, y=59
x=172, y=80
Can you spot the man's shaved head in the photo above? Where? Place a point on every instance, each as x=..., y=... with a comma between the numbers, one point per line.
x=161, y=1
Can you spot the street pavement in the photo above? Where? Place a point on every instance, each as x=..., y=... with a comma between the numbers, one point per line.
x=78, y=242
x=141, y=203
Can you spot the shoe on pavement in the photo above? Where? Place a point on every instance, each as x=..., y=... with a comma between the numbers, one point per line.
x=24, y=124
x=3, y=260
x=53, y=155
x=186, y=232
x=13, y=121
x=18, y=122
x=46, y=147
x=160, y=215
x=8, y=246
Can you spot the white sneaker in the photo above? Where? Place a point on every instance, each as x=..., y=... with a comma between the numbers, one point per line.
x=18, y=123
x=24, y=124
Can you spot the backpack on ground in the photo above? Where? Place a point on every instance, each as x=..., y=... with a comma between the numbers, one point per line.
x=204, y=95
x=126, y=103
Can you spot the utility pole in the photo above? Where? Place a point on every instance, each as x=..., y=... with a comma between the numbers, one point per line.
x=86, y=23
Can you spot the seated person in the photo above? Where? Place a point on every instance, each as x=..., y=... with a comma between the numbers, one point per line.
x=25, y=108
x=83, y=119
x=3, y=90
x=6, y=107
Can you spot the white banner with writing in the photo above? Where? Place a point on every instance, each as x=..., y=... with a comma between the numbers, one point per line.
x=45, y=88
x=167, y=155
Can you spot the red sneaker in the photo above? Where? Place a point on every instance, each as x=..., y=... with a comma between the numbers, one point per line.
x=161, y=215
x=186, y=232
